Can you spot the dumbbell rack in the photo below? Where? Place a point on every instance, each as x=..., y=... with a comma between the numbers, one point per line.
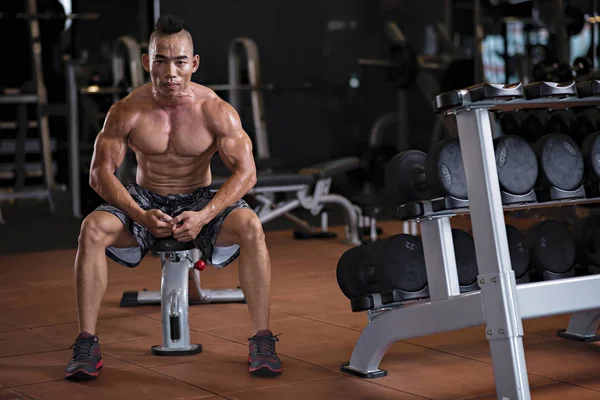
x=500, y=304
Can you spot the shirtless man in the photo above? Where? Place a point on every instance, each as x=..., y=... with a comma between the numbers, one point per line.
x=174, y=126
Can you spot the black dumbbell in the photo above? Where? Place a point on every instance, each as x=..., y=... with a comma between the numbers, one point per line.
x=582, y=66
x=560, y=121
x=444, y=170
x=512, y=122
x=587, y=121
x=519, y=253
x=534, y=124
x=396, y=262
x=560, y=162
x=552, y=249
x=516, y=164
x=552, y=72
x=588, y=245
x=413, y=175
x=466, y=260
x=590, y=151
x=356, y=271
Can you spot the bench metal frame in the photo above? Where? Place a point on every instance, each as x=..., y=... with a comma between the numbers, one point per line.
x=313, y=201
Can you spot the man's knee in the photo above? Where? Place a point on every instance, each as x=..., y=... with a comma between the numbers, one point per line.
x=250, y=229
x=95, y=231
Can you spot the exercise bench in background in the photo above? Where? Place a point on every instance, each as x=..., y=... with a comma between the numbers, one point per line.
x=308, y=189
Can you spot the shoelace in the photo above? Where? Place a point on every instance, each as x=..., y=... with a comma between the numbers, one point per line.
x=83, y=348
x=264, y=346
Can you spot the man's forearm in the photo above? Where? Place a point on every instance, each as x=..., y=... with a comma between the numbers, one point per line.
x=234, y=188
x=109, y=187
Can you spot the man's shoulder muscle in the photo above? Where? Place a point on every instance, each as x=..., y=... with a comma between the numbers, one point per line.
x=122, y=115
x=221, y=117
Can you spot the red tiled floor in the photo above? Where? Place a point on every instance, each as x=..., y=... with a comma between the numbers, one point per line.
x=468, y=341
x=137, y=384
x=347, y=388
x=26, y=342
x=561, y=360
x=333, y=354
x=318, y=332
x=8, y=325
x=448, y=379
x=47, y=366
x=6, y=394
x=294, y=331
x=109, y=330
x=553, y=391
x=139, y=351
x=218, y=375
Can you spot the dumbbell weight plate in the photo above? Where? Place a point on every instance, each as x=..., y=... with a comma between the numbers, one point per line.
x=560, y=162
x=591, y=155
x=560, y=121
x=355, y=273
x=400, y=264
x=519, y=251
x=516, y=164
x=512, y=122
x=466, y=259
x=552, y=247
x=588, y=247
x=405, y=179
x=445, y=170
x=586, y=123
x=534, y=125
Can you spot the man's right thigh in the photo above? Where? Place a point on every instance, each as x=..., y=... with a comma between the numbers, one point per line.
x=110, y=226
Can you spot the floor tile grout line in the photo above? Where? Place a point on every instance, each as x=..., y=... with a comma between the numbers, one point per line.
x=33, y=353
x=325, y=322
x=147, y=367
x=27, y=396
x=534, y=386
x=187, y=383
x=370, y=382
x=528, y=371
x=29, y=328
x=283, y=385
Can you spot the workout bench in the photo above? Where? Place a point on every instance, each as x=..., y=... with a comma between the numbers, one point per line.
x=309, y=188
x=180, y=287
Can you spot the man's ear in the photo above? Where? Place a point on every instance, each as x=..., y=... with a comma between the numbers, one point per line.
x=146, y=62
x=195, y=63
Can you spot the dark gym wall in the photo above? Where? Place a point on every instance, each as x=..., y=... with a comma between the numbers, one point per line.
x=289, y=36
x=292, y=38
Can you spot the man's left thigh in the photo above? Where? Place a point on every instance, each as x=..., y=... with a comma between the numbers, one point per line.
x=235, y=225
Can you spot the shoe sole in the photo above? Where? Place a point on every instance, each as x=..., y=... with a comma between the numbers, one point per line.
x=265, y=372
x=82, y=375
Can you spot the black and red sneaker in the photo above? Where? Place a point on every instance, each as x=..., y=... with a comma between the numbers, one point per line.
x=263, y=359
x=87, y=359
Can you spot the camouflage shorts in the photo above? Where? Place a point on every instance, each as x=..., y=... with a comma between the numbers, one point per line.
x=173, y=205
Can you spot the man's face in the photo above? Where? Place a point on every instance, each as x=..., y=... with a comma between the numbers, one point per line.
x=171, y=63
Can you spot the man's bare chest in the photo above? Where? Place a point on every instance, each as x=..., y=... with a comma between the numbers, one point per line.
x=160, y=133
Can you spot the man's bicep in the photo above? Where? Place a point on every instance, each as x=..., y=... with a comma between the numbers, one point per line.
x=110, y=146
x=235, y=149
x=234, y=144
x=109, y=152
